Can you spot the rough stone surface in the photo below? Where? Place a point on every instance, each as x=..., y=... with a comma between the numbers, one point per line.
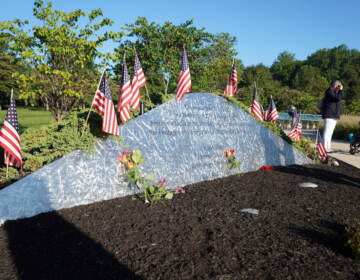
x=183, y=142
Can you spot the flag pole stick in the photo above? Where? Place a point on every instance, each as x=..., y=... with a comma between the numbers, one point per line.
x=7, y=163
x=147, y=93
x=146, y=89
x=7, y=169
x=88, y=115
x=316, y=140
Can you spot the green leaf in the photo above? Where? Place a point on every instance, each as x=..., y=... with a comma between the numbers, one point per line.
x=169, y=195
x=151, y=189
x=136, y=156
x=150, y=177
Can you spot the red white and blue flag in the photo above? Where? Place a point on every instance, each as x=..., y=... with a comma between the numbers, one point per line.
x=10, y=139
x=124, y=95
x=184, y=83
x=271, y=115
x=256, y=108
x=320, y=148
x=104, y=105
x=296, y=130
x=231, y=85
x=137, y=83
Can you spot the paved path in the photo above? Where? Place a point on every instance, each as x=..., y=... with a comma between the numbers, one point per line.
x=340, y=149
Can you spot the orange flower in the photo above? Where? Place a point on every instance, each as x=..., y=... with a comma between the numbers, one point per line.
x=228, y=153
x=122, y=158
x=129, y=164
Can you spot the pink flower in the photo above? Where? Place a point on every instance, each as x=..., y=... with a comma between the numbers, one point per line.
x=161, y=182
x=180, y=190
x=126, y=153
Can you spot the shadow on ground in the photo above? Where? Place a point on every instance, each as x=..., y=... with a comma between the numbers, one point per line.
x=49, y=247
x=331, y=235
x=321, y=174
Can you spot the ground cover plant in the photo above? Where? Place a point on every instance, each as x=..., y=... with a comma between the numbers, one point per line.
x=45, y=144
x=298, y=233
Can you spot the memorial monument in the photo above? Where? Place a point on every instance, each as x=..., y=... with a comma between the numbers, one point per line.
x=182, y=141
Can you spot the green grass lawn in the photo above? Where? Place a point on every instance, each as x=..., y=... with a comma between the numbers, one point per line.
x=30, y=117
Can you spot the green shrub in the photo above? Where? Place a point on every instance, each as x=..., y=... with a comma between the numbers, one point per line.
x=353, y=236
x=12, y=176
x=343, y=129
x=45, y=144
x=347, y=124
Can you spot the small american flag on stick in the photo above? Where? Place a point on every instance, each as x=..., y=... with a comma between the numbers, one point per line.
x=137, y=83
x=184, y=83
x=104, y=105
x=320, y=148
x=9, y=137
x=271, y=115
x=124, y=95
x=296, y=131
x=231, y=85
x=256, y=108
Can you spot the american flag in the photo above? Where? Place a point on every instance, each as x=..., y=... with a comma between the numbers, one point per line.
x=271, y=115
x=256, y=107
x=320, y=148
x=9, y=137
x=104, y=105
x=137, y=83
x=124, y=95
x=231, y=85
x=184, y=83
x=296, y=130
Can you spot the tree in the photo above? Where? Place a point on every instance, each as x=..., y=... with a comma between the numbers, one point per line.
x=331, y=62
x=8, y=66
x=159, y=47
x=62, y=55
x=309, y=79
x=285, y=67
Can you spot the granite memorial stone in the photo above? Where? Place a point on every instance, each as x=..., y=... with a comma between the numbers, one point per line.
x=182, y=141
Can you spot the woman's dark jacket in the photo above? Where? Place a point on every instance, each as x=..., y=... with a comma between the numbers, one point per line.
x=331, y=106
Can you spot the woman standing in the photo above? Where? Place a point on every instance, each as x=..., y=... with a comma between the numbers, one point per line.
x=331, y=111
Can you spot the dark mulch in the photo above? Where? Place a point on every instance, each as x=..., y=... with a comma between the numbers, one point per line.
x=299, y=233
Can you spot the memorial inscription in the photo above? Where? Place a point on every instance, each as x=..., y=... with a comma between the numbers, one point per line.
x=185, y=140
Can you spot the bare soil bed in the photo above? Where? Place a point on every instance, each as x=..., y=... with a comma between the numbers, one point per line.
x=298, y=234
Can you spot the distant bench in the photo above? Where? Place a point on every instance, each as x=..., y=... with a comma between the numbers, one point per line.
x=308, y=121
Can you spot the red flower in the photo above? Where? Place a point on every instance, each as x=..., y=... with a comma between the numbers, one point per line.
x=266, y=168
x=228, y=153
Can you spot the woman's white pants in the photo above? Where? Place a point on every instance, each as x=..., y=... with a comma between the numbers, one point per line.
x=329, y=126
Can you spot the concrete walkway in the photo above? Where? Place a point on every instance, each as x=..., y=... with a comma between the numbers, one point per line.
x=341, y=151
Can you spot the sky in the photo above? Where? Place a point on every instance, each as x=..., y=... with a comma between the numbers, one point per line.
x=263, y=28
